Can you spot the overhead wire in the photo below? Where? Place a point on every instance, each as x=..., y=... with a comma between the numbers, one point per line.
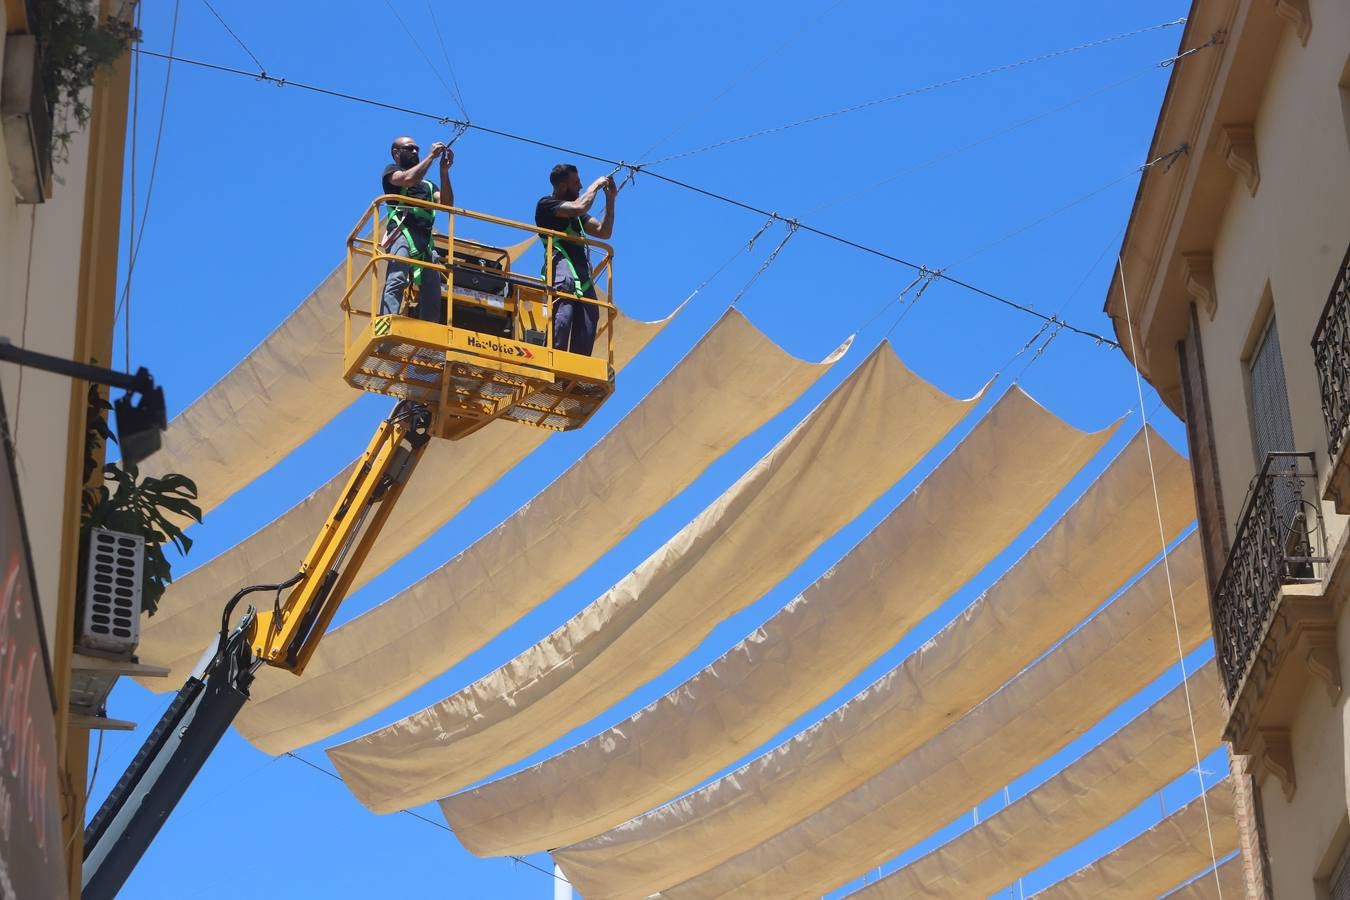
x=237, y=39
x=912, y=92
x=445, y=54
x=131, y=206
x=133, y=252
x=675, y=182
x=982, y=140
x=768, y=260
x=430, y=65
x=740, y=79
x=1167, y=569
x=1059, y=210
x=421, y=818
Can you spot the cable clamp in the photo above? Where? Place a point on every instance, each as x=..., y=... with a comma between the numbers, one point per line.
x=1214, y=40
x=773, y=217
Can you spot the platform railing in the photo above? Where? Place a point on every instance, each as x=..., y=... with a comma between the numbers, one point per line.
x=1280, y=540
x=366, y=249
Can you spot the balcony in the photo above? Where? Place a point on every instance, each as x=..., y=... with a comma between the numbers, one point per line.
x=1331, y=356
x=1273, y=624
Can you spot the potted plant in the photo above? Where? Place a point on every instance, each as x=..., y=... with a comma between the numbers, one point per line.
x=149, y=507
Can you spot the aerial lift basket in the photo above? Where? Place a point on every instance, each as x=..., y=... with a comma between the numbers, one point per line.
x=486, y=351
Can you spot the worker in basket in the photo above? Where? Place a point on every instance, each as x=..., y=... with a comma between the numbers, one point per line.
x=567, y=209
x=408, y=230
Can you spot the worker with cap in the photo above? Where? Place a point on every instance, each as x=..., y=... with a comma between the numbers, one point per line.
x=567, y=209
x=408, y=229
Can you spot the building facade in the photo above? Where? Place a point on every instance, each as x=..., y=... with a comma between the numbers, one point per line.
x=1232, y=298
x=59, y=235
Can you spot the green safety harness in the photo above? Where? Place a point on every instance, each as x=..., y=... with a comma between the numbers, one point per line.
x=573, y=230
x=417, y=213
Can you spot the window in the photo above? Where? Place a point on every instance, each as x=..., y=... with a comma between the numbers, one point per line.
x=1272, y=428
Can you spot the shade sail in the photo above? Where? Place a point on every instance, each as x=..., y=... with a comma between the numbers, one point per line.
x=733, y=381
x=449, y=476
x=875, y=425
x=1160, y=858
x=1091, y=793
x=1001, y=475
x=1232, y=884
x=895, y=576
x=877, y=775
x=271, y=402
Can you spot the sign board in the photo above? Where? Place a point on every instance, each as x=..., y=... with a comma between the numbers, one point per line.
x=32, y=860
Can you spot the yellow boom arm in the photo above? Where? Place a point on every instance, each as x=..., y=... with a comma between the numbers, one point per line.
x=286, y=635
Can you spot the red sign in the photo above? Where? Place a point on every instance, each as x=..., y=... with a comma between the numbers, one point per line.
x=32, y=860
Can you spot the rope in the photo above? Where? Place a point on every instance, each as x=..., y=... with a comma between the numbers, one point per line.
x=1167, y=570
x=445, y=54
x=421, y=818
x=768, y=260
x=739, y=79
x=133, y=252
x=923, y=281
x=427, y=59
x=956, y=151
x=1170, y=157
x=960, y=79
x=237, y=39
x=675, y=182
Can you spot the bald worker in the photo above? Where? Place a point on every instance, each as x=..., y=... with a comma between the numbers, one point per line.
x=408, y=229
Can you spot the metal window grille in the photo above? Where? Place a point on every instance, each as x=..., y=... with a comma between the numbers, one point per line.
x=112, y=596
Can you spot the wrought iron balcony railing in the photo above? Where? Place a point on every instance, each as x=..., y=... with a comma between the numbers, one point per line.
x=1331, y=356
x=1280, y=540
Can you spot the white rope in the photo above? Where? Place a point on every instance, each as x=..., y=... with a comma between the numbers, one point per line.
x=1167, y=569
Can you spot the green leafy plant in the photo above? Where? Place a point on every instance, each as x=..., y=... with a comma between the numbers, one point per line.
x=74, y=45
x=150, y=507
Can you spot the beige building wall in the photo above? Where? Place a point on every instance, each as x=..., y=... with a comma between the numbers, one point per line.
x=1281, y=248
x=1279, y=251
x=38, y=305
x=1276, y=249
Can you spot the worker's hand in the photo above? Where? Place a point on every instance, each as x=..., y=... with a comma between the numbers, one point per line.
x=610, y=188
x=599, y=183
x=437, y=149
x=448, y=158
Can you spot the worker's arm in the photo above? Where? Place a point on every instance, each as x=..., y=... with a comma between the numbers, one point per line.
x=405, y=178
x=604, y=229
x=446, y=195
x=582, y=205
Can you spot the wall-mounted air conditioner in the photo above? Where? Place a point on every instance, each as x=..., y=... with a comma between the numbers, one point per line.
x=111, y=623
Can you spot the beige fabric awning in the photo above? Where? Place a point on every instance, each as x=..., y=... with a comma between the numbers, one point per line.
x=1160, y=858
x=1093, y=791
x=1002, y=475
x=450, y=475
x=1232, y=884
x=843, y=796
x=874, y=426
x=895, y=576
x=730, y=384
x=271, y=402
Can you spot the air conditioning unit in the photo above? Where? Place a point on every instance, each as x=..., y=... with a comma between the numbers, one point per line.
x=111, y=623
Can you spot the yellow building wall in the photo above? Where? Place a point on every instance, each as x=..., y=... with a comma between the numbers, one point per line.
x=38, y=306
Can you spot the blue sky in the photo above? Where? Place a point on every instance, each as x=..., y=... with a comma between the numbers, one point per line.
x=1021, y=182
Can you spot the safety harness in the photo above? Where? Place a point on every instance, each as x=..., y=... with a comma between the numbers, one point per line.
x=574, y=230
x=416, y=214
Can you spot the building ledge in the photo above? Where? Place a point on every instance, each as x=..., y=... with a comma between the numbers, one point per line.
x=1297, y=653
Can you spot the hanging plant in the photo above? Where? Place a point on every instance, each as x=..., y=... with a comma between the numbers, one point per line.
x=150, y=507
x=74, y=45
